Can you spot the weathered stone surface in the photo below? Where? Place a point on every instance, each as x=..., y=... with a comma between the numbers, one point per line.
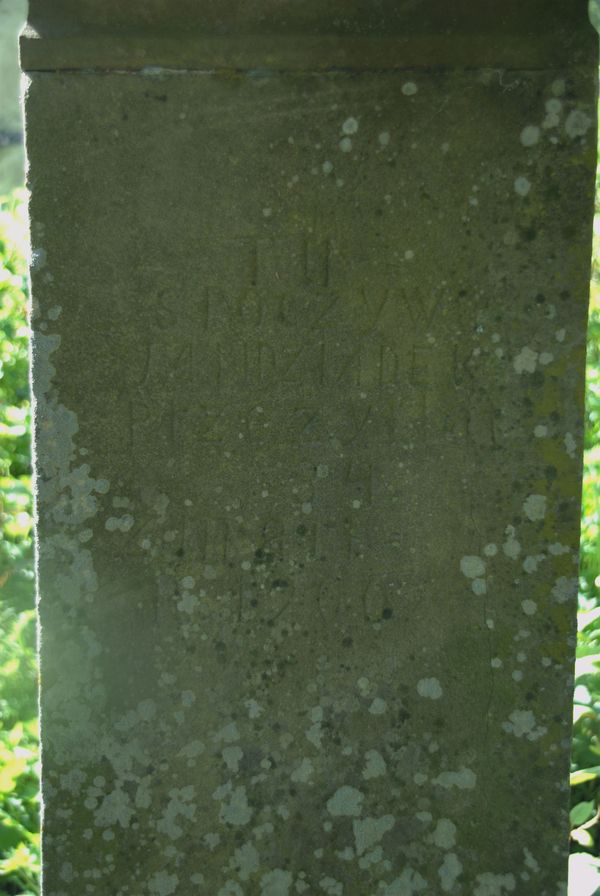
x=308, y=362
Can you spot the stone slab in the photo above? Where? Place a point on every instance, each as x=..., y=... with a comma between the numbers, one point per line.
x=308, y=368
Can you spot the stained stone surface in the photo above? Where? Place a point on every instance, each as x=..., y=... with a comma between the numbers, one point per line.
x=308, y=365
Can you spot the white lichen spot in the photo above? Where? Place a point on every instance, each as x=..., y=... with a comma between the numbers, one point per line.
x=577, y=124
x=179, y=806
x=254, y=709
x=496, y=663
x=229, y=733
x=245, y=861
x=553, y=113
x=303, y=772
x=570, y=444
x=449, y=872
x=331, y=886
x=232, y=757
x=211, y=840
x=369, y=831
x=534, y=507
x=530, y=135
x=375, y=766
x=409, y=88
x=346, y=144
x=478, y=587
x=522, y=186
x=526, y=360
x=314, y=734
x=465, y=779
x=116, y=808
x=564, y=589
x=192, y=750
x=409, y=883
x=556, y=549
x=489, y=884
x=444, y=834
x=162, y=883
x=121, y=524
x=530, y=861
x=350, y=126
x=531, y=563
x=384, y=138
x=378, y=706
x=429, y=688
x=327, y=167
x=373, y=857
x=234, y=808
x=540, y=431
x=529, y=607
x=364, y=686
x=230, y=888
x=188, y=603
x=188, y=698
x=490, y=550
x=522, y=723
x=276, y=883
x=472, y=567
x=346, y=801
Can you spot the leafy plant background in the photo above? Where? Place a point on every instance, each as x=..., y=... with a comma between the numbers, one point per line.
x=19, y=772
x=19, y=740
x=585, y=776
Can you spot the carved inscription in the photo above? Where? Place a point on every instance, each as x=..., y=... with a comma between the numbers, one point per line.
x=295, y=343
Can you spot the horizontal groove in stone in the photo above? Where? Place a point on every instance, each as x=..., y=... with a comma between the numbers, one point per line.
x=297, y=53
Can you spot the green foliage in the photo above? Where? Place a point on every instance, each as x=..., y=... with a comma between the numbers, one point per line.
x=585, y=775
x=19, y=773
x=16, y=567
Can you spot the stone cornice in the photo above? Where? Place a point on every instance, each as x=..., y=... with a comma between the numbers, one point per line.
x=286, y=36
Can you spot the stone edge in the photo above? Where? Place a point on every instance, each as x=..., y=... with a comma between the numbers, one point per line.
x=297, y=53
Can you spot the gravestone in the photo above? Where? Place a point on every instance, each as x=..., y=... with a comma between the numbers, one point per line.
x=309, y=311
